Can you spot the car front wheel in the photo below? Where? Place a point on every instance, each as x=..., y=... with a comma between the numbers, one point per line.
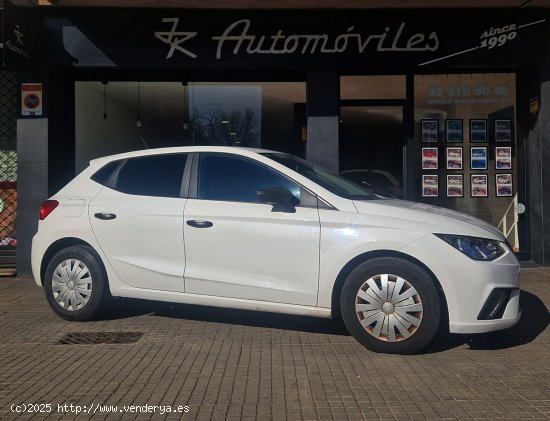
x=391, y=305
x=76, y=284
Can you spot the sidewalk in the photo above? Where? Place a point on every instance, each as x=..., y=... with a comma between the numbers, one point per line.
x=237, y=365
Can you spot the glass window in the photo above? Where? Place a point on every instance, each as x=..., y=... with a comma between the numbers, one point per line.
x=373, y=87
x=158, y=175
x=231, y=178
x=466, y=149
x=103, y=175
x=127, y=116
x=270, y=115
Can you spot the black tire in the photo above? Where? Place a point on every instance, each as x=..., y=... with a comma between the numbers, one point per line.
x=99, y=297
x=426, y=295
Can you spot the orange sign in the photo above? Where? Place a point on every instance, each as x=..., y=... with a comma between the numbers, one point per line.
x=31, y=99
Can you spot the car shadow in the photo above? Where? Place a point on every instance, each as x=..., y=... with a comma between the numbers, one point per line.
x=534, y=320
x=126, y=308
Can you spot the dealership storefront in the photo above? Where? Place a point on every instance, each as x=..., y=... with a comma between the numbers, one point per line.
x=437, y=106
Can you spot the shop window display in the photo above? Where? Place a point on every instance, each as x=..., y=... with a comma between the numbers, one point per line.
x=117, y=117
x=469, y=121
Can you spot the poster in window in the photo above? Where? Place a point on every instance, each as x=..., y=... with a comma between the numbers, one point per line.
x=430, y=186
x=479, y=185
x=478, y=131
x=503, y=130
x=455, y=185
x=504, y=186
x=454, y=158
x=478, y=158
x=453, y=130
x=429, y=158
x=503, y=158
x=430, y=130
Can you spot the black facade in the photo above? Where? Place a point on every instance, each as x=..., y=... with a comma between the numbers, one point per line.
x=471, y=102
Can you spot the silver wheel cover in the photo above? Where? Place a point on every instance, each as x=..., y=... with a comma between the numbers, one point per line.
x=389, y=308
x=72, y=284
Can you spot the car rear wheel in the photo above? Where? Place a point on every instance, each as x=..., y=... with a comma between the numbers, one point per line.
x=76, y=284
x=391, y=305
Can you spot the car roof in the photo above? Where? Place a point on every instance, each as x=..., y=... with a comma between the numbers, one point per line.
x=182, y=149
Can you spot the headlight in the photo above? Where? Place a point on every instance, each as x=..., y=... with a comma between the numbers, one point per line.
x=474, y=247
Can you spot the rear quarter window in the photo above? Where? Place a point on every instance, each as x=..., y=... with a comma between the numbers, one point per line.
x=103, y=175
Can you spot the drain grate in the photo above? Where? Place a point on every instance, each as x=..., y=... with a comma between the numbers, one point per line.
x=91, y=338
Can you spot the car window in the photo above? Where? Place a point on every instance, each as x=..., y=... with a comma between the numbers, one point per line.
x=103, y=175
x=156, y=175
x=231, y=178
x=332, y=182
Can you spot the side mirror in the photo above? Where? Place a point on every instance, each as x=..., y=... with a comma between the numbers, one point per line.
x=280, y=198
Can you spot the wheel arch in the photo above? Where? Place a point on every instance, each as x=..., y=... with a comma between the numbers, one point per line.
x=57, y=246
x=356, y=261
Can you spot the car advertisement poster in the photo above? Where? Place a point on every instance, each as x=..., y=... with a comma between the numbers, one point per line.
x=478, y=158
x=504, y=185
x=478, y=131
x=503, y=130
x=430, y=130
x=503, y=158
x=453, y=130
x=455, y=185
x=454, y=158
x=429, y=159
x=478, y=185
x=430, y=185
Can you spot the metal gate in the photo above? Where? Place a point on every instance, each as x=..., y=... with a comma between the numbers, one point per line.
x=8, y=169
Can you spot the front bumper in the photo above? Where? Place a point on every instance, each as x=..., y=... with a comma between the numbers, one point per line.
x=468, y=285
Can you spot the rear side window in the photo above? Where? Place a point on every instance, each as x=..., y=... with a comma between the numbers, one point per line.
x=103, y=175
x=157, y=175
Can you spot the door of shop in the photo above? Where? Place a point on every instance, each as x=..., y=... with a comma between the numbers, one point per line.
x=373, y=147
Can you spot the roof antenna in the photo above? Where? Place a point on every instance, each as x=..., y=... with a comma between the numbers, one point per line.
x=143, y=141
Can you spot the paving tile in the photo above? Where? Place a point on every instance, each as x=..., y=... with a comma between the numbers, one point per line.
x=229, y=364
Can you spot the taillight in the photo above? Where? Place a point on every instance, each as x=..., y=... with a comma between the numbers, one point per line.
x=47, y=207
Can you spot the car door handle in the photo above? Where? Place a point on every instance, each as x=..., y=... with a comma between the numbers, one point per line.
x=105, y=216
x=199, y=224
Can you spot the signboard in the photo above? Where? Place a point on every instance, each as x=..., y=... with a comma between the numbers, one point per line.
x=31, y=99
x=18, y=38
x=365, y=39
x=1, y=27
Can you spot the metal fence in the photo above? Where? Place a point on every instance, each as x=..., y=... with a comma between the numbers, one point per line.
x=8, y=168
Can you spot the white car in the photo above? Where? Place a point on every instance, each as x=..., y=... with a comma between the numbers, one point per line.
x=262, y=230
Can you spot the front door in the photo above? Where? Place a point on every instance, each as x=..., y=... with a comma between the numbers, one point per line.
x=240, y=248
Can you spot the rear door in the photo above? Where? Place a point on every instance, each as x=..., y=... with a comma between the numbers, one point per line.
x=138, y=221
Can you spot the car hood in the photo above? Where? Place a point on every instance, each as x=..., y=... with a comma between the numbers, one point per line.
x=434, y=219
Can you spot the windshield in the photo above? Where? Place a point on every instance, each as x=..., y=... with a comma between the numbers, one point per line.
x=325, y=178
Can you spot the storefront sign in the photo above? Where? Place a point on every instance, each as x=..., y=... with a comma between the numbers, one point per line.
x=18, y=38
x=236, y=39
x=1, y=27
x=31, y=99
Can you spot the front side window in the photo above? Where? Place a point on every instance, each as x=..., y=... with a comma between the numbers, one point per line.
x=157, y=175
x=334, y=183
x=231, y=178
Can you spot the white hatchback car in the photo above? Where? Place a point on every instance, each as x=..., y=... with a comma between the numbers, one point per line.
x=263, y=230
